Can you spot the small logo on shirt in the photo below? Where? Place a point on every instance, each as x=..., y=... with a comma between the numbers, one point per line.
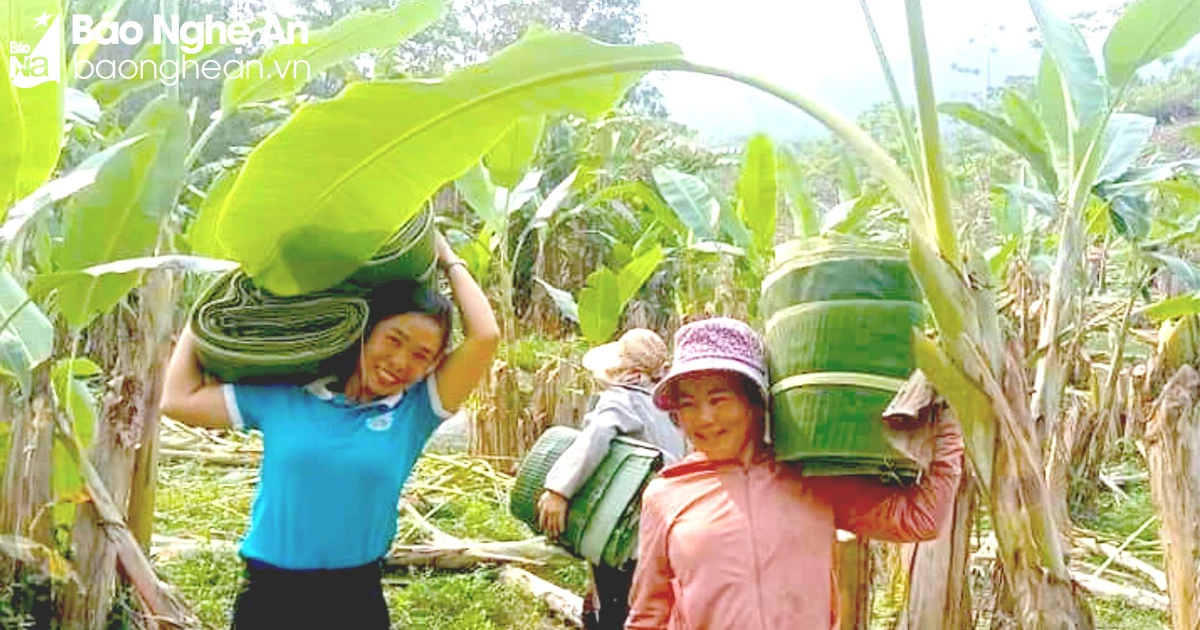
x=380, y=423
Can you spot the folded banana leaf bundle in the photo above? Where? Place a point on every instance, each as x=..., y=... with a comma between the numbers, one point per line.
x=602, y=520
x=246, y=333
x=839, y=319
x=410, y=254
x=243, y=332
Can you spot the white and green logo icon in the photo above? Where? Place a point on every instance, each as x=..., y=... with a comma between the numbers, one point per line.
x=29, y=66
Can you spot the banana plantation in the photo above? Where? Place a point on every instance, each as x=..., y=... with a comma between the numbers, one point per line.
x=1050, y=228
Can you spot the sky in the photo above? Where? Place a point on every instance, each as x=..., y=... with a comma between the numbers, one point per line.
x=823, y=50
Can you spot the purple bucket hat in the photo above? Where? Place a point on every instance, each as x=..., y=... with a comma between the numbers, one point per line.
x=720, y=344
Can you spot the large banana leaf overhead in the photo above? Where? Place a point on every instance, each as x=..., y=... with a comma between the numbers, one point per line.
x=318, y=197
x=357, y=33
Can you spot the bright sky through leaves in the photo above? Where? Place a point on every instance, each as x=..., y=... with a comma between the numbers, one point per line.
x=823, y=48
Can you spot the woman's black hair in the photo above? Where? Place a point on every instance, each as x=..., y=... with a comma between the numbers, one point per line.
x=753, y=393
x=398, y=298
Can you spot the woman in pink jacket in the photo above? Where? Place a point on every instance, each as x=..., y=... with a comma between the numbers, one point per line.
x=732, y=540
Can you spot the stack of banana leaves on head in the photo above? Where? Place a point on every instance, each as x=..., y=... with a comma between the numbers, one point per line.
x=244, y=332
x=839, y=316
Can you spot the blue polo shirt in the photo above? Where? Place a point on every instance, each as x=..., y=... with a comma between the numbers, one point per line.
x=332, y=470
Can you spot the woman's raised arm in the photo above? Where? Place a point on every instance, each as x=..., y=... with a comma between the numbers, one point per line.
x=869, y=508
x=461, y=370
x=189, y=394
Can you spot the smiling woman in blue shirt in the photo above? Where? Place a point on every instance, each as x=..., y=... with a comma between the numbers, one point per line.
x=336, y=453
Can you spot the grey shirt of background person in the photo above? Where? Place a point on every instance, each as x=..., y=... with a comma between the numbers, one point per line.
x=621, y=410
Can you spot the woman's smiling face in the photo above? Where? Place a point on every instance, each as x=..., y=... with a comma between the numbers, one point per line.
x=400, y=351
x=717, y=414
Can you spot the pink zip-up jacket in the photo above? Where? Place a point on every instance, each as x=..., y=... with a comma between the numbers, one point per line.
x=730, y=547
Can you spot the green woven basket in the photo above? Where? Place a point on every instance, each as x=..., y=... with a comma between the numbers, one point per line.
x=410, y=254
x=244, y=332
x=602, y=519
x=839, y=320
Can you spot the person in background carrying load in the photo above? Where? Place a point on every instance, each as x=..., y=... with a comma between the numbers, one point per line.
x=732, y=540
x=336, y=453
x=627, y=368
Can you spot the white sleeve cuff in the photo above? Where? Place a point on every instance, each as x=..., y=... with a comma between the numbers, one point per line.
x=558, y=488
x=435, y=401
x=231, y=407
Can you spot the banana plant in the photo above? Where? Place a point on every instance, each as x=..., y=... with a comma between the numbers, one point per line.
x=111, y=206
x=856, y=210
x=707, y=241
x=499, y=188
x=497, y=207
x=709, y=228
x=608, y=293
x=1075, y=138
x=969, y=363
x=114, y=205
x=1079, y=117
x=31, y=100
x=683, y=218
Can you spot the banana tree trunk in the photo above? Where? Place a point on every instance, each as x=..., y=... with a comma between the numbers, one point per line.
x=160, y=604
x=157, y=324
x=1038, y=590
x=1065, y=444
x=115, y=342
x=560, y=396
x=1051, y=376
x=938, y=593
x=86, y=606
x=124, y=449
x=27, y=495
x=1034, y=597
x=494, y=422
x=1041, y=593
x=1173, y=454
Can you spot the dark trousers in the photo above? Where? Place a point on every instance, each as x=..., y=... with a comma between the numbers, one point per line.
x=607, y=602
x=272, y=598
